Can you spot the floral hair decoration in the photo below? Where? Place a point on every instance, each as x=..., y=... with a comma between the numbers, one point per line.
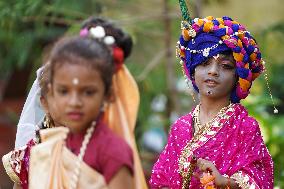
x=98, y=32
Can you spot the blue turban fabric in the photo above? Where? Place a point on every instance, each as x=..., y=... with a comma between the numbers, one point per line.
x=201, y=42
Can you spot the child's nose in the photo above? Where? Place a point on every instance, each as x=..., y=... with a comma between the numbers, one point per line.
x=213, y=69
x=75, y=100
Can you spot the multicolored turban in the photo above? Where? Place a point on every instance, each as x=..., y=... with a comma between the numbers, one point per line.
x=207, y=37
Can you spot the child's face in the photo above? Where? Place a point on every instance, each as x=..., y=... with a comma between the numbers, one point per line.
x=78, y=93
x=215, y=78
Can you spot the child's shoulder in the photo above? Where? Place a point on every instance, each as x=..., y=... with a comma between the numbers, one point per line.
x=111, y=142
x=185, y=119
x=243, y=113
x=112, y=153
x=247, y=121
x=105, y=133
x=182, y=124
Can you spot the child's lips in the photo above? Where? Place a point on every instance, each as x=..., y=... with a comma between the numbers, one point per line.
x=75, y=115
x=211, y=82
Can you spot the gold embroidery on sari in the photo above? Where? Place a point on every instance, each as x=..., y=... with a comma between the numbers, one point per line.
x=12, y=163
x=201, y=137
x=243, y=180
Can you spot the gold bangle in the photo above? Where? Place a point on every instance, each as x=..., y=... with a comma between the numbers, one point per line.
x=228, y=183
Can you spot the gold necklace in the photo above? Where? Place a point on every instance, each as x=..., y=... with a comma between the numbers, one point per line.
x=196, y=117
x=186, y=168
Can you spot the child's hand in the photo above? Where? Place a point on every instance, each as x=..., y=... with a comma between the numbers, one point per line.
x=205, y=166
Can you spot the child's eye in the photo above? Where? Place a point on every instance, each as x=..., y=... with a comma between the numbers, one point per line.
x=89, y=92
x=205, y=63
x=62, y=91
x=227, y=66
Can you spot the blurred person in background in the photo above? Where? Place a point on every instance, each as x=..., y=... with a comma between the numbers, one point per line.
x=103, y=141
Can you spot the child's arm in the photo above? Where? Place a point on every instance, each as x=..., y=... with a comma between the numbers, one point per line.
x=123, y=179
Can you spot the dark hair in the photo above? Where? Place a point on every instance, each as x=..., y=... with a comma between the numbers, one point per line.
x=122, y=39
x=78, y=50
x=88, y=51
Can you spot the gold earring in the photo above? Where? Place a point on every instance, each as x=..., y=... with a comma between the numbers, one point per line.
x=47, y=122
x=103, y=107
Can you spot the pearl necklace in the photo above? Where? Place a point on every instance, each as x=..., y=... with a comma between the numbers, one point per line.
x=87, y=137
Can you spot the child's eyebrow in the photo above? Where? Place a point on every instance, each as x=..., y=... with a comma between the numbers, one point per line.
x=89, y=87
x=223, y=57
x=60, y=84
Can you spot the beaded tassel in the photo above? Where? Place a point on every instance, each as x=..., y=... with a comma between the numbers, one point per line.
x=269, y=89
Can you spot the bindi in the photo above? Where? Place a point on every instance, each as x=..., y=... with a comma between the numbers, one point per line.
x=75, y=81
x=216, y=57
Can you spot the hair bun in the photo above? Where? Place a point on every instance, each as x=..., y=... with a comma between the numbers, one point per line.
x=122, y=39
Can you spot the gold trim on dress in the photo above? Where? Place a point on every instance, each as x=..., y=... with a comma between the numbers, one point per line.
x=205, y=133
x=6, y=159
x=243, y=180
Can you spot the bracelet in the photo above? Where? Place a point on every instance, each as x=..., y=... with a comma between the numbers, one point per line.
x=228, y=183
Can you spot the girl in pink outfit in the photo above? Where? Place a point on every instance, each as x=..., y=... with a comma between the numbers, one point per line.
x=217, y=144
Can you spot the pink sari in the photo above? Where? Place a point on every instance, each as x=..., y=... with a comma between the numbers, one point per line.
x=234, y=145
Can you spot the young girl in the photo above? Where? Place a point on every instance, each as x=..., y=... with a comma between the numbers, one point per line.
x=217, y=144
x=79, y=91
